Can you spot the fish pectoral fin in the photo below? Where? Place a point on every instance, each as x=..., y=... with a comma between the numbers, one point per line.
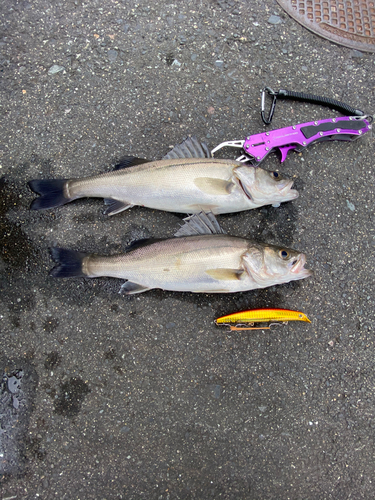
x=130, y=288
x=225, y=274
x=116, y=206
x=213, y=186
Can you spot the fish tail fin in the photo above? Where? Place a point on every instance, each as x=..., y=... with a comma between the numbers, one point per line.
x=69, y=263
x=51, y=193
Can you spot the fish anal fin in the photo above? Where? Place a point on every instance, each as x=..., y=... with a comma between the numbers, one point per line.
x=214, y=186
x=223, y=274
x=129, y=161
x=116, y=206
x=130, y=288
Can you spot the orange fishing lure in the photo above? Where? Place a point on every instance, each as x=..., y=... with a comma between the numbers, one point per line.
x=252, y=316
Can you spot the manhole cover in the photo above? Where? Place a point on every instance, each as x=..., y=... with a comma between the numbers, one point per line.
x=347, y=22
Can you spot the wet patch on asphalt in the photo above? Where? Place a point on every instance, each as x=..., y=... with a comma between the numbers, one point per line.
x=52, y=360
x=17, y=392
x=17, y=250
x=18, y=254
x=277, y=225
x=70, y=397
x=50, y=324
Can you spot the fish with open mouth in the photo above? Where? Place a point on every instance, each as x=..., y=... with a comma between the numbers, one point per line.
x=187, y=180
x=200, y=258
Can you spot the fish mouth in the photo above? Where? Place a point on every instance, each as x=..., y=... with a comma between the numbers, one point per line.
x=287, y=191
x=299, y=266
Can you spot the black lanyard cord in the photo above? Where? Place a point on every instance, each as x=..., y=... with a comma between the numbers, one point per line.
x=342, y=107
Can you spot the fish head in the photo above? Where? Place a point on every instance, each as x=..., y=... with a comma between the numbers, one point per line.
x=264, y=187
x=270, y=265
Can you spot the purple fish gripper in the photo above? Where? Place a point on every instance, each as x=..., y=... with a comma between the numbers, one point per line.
x=298, y=137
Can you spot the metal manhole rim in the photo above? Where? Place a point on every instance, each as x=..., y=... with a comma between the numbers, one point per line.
x=358, y=15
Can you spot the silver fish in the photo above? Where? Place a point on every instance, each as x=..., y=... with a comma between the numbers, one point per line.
x=186, y=180
x=201, y=258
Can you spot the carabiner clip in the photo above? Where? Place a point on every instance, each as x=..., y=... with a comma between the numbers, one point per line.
x=270, y=92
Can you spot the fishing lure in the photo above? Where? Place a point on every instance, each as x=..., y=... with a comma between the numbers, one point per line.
x=238, y=321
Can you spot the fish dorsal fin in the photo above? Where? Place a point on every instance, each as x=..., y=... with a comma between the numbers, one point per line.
x=202, y=223
x=129, y=161
x=189, y=148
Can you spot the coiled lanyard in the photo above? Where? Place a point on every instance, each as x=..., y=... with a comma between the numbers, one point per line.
x=300, y=96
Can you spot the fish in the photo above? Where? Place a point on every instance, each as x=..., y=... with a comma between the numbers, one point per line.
x=267, y=315
x=186, y=180
x=200, y=258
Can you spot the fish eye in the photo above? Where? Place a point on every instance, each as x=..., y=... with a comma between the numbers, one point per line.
x=284, y=254
x=275, y=175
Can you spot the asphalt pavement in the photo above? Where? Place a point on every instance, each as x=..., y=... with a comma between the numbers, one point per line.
x=104, y=396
